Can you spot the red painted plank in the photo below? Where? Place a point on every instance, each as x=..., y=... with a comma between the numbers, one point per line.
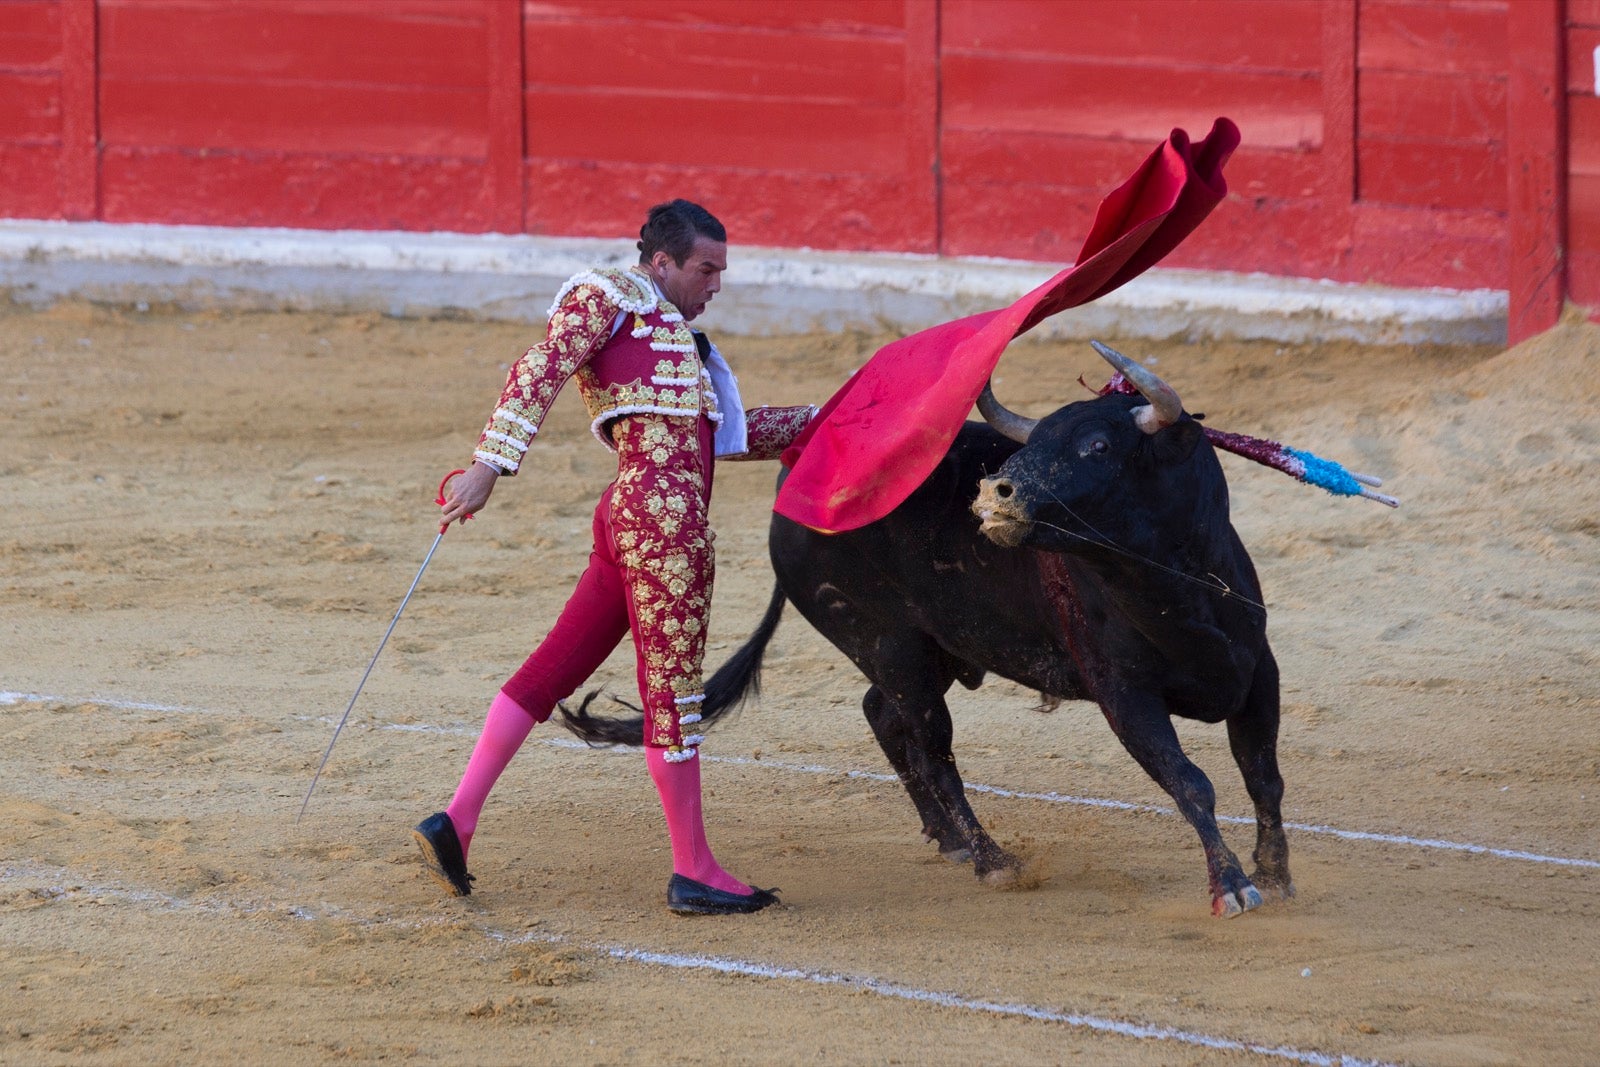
x=32, y=187
x=1266, y=236
x=441, y=45
x=288, y=118
x=315, y=192
x=920, y=205
x=1583, y=135
x=1413, y=247
x=1582, y=44
x=607, y=58
x=1434, y=37
x=1431, y=107
x=1442, y=176
x=30, y=17
x=832, y=16
x=1045, y=223
x=1003, y=157
x=505, y=115
x=1537, y=169
x=755, y=134
x=413, y=10
x=844, y=212
x=1583, y=12
x=30, y=35
x=1049, y=224
x=1340, y=38
x=32, y=108
x=1042, y=221
x=1270, y=35
x=1583, y=201
x=1093, y=99
x=972, y=158
x=80, y=130
x=1584, y=283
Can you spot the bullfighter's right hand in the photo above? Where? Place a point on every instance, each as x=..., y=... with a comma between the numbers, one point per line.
x=467, y=493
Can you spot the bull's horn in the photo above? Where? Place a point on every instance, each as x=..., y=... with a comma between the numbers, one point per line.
x=1002, y=418
x=1165, y=407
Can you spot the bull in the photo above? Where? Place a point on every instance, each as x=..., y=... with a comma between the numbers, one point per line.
x=1097, y=562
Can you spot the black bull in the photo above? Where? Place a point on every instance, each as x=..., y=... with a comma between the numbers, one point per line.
x=1098, y=563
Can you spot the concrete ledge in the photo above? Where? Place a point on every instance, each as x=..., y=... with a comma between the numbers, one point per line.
x=769, y=290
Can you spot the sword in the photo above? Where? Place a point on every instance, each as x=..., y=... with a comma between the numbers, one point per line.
x=425, y=560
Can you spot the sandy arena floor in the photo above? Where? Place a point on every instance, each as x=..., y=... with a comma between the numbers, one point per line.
x=210, y=519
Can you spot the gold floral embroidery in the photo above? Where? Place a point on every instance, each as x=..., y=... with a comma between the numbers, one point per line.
x=676, y=338
x=578, y=327
x=658, y=521
x=771, y=430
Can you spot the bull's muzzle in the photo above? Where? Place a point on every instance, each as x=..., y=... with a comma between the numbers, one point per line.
x=1002, y=517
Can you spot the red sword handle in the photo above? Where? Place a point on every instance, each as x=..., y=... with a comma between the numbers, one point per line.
x=443, y=526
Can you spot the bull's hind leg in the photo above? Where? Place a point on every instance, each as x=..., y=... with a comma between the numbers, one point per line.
x=889, y=729
x=911, y=721
x=1142, y=725
x=1253, y=736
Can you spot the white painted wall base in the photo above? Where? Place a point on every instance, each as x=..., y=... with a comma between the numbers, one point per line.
x=768, y=290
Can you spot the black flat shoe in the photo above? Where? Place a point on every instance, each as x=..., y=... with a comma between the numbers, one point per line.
x=689, y=897
x=441, y=853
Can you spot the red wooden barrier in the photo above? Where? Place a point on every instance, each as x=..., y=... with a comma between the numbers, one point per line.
x=1536, y=137
x=798, y=124
x=1041, y=116
x=1583, y=148
x=319, y=113
x=32, y=50
x=1407, y=142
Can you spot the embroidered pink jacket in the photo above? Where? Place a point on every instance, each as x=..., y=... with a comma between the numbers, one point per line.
x=630, y=351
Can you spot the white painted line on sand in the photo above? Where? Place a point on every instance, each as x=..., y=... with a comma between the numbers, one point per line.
x=1052, y=797
x=60, y=884
x=1118, y=1027
x=121, y=705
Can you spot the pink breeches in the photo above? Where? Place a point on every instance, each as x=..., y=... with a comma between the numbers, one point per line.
x=650, y=572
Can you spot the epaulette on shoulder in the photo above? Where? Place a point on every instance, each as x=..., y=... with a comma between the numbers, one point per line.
x=622, y=287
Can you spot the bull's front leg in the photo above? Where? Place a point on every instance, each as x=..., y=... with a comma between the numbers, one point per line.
x=1142, y=724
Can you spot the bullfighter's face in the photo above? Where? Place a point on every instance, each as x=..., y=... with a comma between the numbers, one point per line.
x=691, y=286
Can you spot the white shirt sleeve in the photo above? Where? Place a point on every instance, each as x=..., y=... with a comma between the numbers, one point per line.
x=732, y=433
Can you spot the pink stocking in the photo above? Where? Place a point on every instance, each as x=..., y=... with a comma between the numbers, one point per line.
x=679, y=786
x=506, y=727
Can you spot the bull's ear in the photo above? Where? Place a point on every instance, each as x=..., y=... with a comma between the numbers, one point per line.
x=1177, y=442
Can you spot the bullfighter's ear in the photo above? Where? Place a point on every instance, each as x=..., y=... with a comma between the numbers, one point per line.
x=1177, y=442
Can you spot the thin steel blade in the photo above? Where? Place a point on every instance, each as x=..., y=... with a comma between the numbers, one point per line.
x=364, y=676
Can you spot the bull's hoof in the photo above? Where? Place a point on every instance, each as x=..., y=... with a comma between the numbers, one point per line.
x=955, y=854
x=1230, y=905
x=1272, y=886
x=998, y=868
x=1000, y=877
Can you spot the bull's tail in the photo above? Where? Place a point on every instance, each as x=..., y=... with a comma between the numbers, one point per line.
x=604, y=729
x=739, y=679
x=735, y=681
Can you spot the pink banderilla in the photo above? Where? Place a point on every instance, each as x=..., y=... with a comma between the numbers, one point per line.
x=1300, y=465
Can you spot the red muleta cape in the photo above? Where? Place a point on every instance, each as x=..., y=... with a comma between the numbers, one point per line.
x=886, y=430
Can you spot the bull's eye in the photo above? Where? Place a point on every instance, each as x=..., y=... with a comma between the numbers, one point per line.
x=1094, y=446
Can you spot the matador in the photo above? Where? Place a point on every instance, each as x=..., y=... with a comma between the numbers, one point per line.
x=661, y=397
